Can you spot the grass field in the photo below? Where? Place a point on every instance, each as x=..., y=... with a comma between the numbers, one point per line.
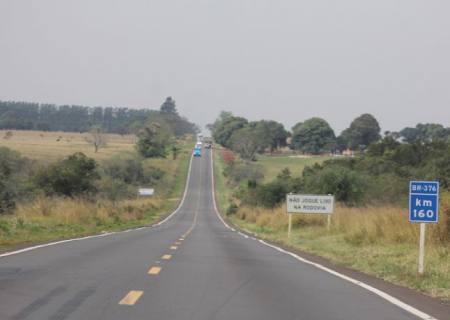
x=50, y=146
x=47, y=219
x=272, y=165
x=376, y=240
x=223, y=193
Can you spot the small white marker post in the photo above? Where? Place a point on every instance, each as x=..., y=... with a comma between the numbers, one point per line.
x=422, y=248
x=328, y=222
x=289, y=225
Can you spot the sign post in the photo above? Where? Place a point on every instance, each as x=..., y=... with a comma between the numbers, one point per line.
x=423, y=208
x=311, y=204
x=289, y=225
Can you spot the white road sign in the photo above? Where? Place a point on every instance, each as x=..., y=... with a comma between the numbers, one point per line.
x=146, y=191
x=309, y=203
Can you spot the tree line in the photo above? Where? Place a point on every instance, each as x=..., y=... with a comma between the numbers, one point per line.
x=313, y=136
x=74, y=118
x=77, y=175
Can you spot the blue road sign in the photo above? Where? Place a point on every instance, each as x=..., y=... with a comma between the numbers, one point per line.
x=423, y=201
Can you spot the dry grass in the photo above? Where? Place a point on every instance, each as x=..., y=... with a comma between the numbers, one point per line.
x=47, y=219
x=368, y=225
x=50, y=146
x=376, y=240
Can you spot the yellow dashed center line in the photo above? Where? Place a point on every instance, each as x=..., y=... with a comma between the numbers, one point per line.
x=154, y=270
x=166, y=257
x=181, y=239
x=131, y=298
x=178, y=243
x=173, y=248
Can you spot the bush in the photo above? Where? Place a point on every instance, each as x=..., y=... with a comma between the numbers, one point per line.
x=272, y=194
x=346, y=185
x=232, y=209
x=14, y=171
x=73, y=176
x=238, y=172
x=131, y=169
x=115, y=189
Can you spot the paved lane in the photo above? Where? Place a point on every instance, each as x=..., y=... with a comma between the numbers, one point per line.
x=190, y=267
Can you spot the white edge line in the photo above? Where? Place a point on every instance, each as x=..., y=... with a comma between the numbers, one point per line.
x=382, y=294
x=6, y=254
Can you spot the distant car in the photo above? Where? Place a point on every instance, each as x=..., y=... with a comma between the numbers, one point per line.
x=208, y=146
x=197, y=152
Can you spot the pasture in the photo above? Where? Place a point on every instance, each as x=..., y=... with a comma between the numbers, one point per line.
x=50, y=146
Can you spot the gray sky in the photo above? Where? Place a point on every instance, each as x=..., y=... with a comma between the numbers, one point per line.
x=282, y=60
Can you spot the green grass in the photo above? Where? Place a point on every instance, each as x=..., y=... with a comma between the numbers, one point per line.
x=272, y=165
x=223, y=193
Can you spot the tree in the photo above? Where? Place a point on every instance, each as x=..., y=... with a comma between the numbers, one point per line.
x=363, y=131
x=427, y=132
x=313, y=136
x=175, y=149
x=169, y=106
x=272, y=134
x=224, y=130
x=246, y=142
x=346, y=185
x=97, y=138
x=224, y=115
x=153, y=140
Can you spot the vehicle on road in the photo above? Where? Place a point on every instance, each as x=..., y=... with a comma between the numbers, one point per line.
x=197, y=152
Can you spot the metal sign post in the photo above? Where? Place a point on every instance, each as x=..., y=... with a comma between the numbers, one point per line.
x=289, y=225
x=422, y=248
x=423, y=208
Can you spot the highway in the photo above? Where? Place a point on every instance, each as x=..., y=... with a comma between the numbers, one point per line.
x=192, y=266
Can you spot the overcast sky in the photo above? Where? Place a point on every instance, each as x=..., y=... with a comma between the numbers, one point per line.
x=282, y=60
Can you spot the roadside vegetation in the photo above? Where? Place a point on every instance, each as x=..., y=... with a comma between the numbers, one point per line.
x=81, y=189
x=369, y=230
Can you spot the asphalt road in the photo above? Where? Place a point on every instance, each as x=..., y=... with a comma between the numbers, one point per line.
x=190, y=267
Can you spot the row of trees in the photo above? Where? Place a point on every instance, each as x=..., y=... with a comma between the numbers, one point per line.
x=379, y=176
x=248, y=138
x=73, y=118
x=313, y=136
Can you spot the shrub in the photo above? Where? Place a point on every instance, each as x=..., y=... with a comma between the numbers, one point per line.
x=73, y=176
x=115, y=189
x=272, y=194
x=227, y=156
x=232, y=209
x=14, y=170
x=124, y=168
x=238, y=172
x=346, y=185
